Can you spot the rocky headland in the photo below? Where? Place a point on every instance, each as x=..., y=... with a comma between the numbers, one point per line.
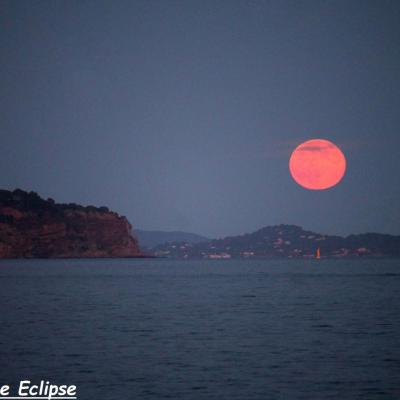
x=31, y=227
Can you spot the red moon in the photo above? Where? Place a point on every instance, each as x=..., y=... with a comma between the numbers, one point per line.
x=317, y=164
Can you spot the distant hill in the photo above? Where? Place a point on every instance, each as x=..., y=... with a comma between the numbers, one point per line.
x=151, y=239
x=285, y=241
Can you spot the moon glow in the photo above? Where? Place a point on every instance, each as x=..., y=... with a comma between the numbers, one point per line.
x=317, y=164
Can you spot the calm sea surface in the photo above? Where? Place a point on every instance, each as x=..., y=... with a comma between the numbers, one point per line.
x=159, y=329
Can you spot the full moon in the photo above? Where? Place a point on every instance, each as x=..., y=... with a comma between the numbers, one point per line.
x=317, y=164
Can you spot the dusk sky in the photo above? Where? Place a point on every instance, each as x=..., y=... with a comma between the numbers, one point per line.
x=182, y=115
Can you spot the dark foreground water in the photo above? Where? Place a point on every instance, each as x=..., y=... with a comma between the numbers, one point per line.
x=158, y=329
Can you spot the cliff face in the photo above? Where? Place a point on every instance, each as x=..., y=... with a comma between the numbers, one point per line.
x=31, y=227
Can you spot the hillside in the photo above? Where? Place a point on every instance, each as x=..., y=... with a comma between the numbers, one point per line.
x=31, y=227
x=151, y=239
x=286, y=241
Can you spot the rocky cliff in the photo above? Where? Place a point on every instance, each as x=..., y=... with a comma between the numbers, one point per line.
x=31, y=227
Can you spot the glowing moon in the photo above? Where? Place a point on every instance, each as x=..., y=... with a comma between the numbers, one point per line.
x=317, y=164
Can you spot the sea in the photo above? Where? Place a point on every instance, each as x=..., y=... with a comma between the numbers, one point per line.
x=150, y=329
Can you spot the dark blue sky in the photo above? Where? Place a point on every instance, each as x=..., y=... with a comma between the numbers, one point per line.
x=182, y=115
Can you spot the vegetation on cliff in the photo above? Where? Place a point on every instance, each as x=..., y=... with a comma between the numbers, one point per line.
x=33, y=227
